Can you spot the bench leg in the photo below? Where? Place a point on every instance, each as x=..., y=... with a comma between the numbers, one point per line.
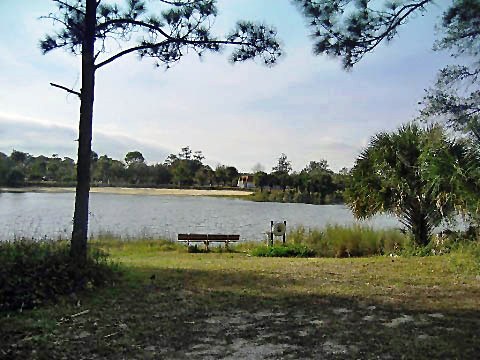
x=226, y=244
x=206, y=245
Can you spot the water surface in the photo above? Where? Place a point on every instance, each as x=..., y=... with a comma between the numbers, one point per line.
x=50, y=214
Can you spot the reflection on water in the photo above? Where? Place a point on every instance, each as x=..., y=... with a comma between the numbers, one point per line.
x=43, y=214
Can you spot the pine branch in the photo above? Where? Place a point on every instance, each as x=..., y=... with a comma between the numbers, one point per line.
x=70, y=7
x=66, y=89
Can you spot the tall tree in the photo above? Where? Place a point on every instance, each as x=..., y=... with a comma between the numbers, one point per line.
x=87, y=28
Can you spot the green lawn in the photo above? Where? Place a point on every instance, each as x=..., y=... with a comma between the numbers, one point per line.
x=231, y=305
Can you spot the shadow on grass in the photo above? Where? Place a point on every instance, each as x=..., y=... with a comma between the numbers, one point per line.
x=183, y=313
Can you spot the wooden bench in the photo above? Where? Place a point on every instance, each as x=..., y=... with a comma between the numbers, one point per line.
x=208, y=238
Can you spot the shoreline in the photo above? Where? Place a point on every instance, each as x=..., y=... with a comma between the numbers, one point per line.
x=131, y=191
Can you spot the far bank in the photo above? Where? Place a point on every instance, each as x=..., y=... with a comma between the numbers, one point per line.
x=132, y=191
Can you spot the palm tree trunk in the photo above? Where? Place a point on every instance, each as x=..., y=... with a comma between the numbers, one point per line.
x=420, y=226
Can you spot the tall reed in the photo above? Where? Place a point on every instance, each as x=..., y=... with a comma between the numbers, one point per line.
x=346, y=241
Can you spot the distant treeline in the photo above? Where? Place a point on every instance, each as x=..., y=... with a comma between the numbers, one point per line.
x=316, y=183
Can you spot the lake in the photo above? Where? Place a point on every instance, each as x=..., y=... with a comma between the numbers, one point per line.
x=131, y=216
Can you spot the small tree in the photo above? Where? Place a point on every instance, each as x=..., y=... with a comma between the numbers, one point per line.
x=91, y=28
x=395, y=174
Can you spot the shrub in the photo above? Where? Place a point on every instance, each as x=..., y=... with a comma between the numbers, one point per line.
x=290, y=250
x=35, y=272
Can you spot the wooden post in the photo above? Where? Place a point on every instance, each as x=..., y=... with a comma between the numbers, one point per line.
x=271, y=233
x=285, y=233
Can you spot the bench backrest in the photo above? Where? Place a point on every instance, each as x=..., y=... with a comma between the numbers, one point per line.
x=210, y=237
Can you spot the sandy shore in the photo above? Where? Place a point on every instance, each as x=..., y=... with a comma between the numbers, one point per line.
x=134, y=191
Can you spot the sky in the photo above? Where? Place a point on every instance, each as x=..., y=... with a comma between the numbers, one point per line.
x=306, y=106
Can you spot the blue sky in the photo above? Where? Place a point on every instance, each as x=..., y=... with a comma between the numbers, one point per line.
x=307, y=106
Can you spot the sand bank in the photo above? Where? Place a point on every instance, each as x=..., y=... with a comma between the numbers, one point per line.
x=134, y=191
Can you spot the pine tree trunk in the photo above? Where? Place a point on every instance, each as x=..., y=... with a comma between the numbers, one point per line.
x=78, y=248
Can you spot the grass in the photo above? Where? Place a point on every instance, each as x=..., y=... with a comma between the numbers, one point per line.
x=173, y=304
x=349, y=241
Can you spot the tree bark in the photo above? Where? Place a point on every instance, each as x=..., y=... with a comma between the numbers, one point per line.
x=420, y=227
x=78, y=249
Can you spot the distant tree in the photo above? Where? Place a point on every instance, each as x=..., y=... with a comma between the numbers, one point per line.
x=395, y=173
x=93, y=27
x=231, y=175
x=198, y=155
x=161, y=174
x=138, y=172
x=210, y=175
x=102, y=170
x=344, y=171
x=321, y=165
x=261, y=179
x=5, y=165
x=283, y=165
x=185, y=153
x=202, y=176
x=118, y=172
x=320, y=182
x=134, y=157
x=19, y=157
x=15, y=177
x=37, y=168
x=221, y=174
x=93, y=156
x=300, y=181
x=171, y=159
x=281, y=179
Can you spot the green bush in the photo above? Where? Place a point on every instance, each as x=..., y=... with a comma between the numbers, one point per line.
x=290, y=250
x=348, y=241
x=35, y=272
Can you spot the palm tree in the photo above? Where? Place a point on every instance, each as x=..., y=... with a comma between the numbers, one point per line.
x=400, y=173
